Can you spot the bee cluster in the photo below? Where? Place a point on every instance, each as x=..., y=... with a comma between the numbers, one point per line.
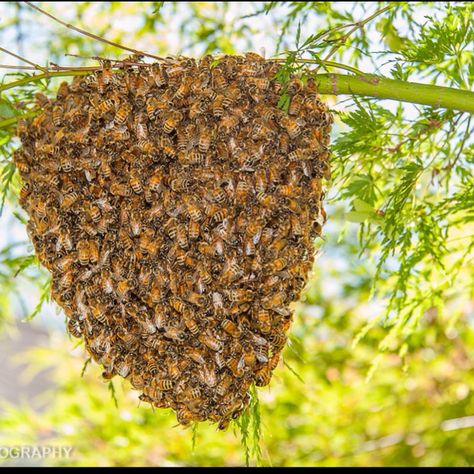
x=175, y=205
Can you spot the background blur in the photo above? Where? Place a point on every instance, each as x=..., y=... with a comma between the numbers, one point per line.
x=332, y=402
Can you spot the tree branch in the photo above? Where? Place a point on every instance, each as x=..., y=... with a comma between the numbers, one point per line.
x=368, y=85
x=33, y=65
x=13, y=120
x=380, y=87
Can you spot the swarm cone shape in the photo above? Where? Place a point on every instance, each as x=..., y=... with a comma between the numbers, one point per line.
x=175, y=206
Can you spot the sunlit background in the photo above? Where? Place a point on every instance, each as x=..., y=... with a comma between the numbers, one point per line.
x=332, y=402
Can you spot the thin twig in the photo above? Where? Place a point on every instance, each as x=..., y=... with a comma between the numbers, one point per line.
x=38, y=77
x=357, y=26
x=91, y=35
x=461, y=146
x=326, y=63
x=122, y=63
x=10, y=66
x=35, y=66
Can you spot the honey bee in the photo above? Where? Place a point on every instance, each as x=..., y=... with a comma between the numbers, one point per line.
x=193, y=230
x=185, y=416
x=254, y=230
x=41, y=100
x=195, y=298
x=74, y=328
x=168, y=147
x=277, y=246
x=120, y=134
x=57, y=115
x=267, y=236
x=25, y=192
x=195, y=354
x=218, y=106
x=83, y=252
x=63, y=264
x=241, y=192
x=122, y=113
x=122, y=289
x=124, y=239
x=93, y=252
x=274, y=301
x=268, y=201
x=141, y=130
x=205, y=138
x=217, y=194
x=231, y=328
x=208, y=375
x=135, y=183
x=22, y=167
x=173, y=332
x=177, y=305
x=228, y=122
x=172, y=121
x=140, y=91
x=63, y=91
x=264, y=321
x=263, y=376
x=119, y=189
x=46, y=148
x=236, y=366
x=158, y=75
x=296, y=105
x=251, y=69
x=21, y=127
x=249, y=247
x=180, y=184
x=105, y=106
x=182, y=236
x=190, y=322
x=94, y=213
x=295, y=86
x=277, y=265
x=278, y=341
x=153, y=107
x=284, y=143
x=262, y=84
x=97, y=80
x=152, y=366
x=293, y=126
x=98, y=312
x=215, y=212
x=184, y=88
x=298, y=154
x=210, y=342
x=156, y=181
x=250, y=359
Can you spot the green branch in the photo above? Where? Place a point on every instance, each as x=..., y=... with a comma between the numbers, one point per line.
x=38, y=77
x=341, y=84
x=13, y=120
x=383, y=88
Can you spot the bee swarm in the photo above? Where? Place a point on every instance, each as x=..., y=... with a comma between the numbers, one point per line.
x=175, y=206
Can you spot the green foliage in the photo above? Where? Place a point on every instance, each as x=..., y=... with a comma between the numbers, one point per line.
x=45, y=296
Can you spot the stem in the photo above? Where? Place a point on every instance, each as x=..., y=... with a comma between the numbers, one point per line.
x=13, y=120
x=383, y=88
x=33, y=65
x=357, y=26
x=342, y=84
x=38, y=77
